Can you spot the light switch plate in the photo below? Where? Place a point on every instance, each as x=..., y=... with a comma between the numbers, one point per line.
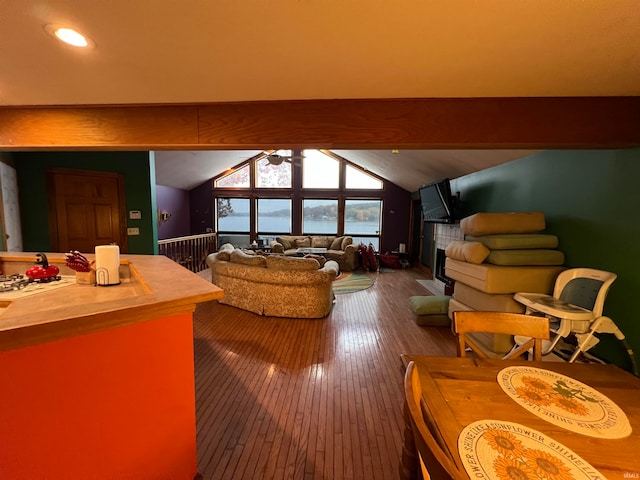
x=135, y=215
x=133, y=231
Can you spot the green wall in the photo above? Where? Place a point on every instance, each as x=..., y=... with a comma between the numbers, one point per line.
x=139, y=172
x=590, y=200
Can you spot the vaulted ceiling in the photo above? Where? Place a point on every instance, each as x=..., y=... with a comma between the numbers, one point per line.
x=408, y=169
x=197, y=51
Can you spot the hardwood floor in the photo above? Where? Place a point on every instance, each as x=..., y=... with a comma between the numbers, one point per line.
x=284, y=398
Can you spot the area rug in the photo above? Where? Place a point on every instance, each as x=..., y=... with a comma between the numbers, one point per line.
x=349, y=282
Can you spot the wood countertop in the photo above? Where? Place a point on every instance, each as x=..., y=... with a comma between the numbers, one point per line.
x=152, y=286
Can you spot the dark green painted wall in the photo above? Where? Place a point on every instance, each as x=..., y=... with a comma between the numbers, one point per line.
x=139, y=173
x=590, y=200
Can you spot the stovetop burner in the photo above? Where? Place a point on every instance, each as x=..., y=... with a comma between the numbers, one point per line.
x=18, y=281
x=13, y=282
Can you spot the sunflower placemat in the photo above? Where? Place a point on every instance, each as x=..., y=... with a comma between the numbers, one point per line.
x=565, y=402
x=497, y=450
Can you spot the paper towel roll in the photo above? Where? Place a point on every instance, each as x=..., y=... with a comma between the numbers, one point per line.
x=107, y=265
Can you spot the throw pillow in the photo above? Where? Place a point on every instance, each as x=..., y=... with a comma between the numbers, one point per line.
x=291, y=263
x=430, y=305
x=336, y=244
x=227, y=247
x=364, y=258
x=286, y=242
x=238, y=256
x=304, y=242
x=346, y=241
x=321, y=242
x=373, y=261
x=471, y=252
x=321, y=260
x=223, y=256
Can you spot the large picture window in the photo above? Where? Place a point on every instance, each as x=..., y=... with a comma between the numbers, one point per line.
x=320, y=170
x=239, y=178
x=356, y=178
x=319, y=216
x=310, y=192
x=270, y=175
x=274, y=216
x=233, y=220
x=363, y=220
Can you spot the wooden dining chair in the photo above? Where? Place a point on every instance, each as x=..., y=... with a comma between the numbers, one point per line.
x=535, y=328
x=435, y=462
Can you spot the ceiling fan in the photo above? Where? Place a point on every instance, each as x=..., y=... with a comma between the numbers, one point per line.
x=275, y=158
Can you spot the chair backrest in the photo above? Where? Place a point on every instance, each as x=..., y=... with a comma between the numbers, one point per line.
x=534, y=327
x=584, y=287
x=435, y=462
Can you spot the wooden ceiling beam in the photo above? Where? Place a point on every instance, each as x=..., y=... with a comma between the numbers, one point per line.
x=426, y=123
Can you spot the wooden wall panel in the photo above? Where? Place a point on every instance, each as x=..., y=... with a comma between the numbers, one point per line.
x=532, y=123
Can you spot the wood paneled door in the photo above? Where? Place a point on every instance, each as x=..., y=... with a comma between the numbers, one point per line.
x=86, y=208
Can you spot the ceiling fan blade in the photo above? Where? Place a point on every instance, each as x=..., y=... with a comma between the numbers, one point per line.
x=275, y=159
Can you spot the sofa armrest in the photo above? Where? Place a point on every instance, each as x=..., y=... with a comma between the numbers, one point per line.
x=352, y=247
x=211, y=259
x=351, y=255
x=276, y=247
x=332, y=267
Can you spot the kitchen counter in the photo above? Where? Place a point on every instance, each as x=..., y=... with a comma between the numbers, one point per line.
x=150, y=284
x=98, y=381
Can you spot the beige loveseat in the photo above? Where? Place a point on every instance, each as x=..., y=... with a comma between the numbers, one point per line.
x=273, y=285
x=341, y=249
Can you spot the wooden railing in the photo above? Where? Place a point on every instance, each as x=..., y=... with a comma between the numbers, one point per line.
x=190, y=252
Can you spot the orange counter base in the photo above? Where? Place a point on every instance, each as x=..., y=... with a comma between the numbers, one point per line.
x=119, y=403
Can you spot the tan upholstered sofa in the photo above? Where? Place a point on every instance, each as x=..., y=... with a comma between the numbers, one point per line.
x=341, y=249
x=274, y=285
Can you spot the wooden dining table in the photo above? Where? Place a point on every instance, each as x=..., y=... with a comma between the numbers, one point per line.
x=460, y=391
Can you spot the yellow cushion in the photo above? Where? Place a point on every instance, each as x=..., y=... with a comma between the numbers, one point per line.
x=495, y=223
x=511, y=241
x=472, y=252
x=430, y=305
x=530, y=256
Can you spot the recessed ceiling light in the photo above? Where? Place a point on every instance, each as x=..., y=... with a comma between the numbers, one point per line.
x=69, y=36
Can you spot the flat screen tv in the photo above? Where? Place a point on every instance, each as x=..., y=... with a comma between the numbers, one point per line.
x=437, y=203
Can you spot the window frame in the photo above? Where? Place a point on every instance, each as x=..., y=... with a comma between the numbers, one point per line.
x=297, y=194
